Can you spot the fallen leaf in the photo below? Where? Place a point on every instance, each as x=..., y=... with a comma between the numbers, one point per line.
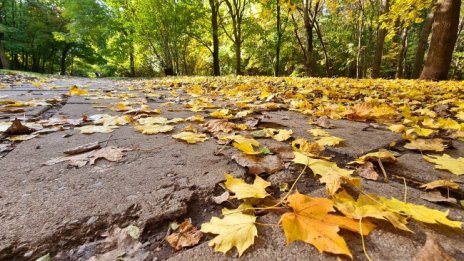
x=436, y=197
x=319, y=133
x=383, y=155
x=256, y=165
x=446, y=162
x=311, y=222
x=282, y=135
x=234, y=230
x=367, y=171
x=187, y=236
x=426, y=145
x=432, y=251
x=440, y=184
x=76, y=91
x=243, y=190
x=90, y=129
x=324, y=122
x=329, y=141
x=21, y=137
x=221, y=198
x=190, y=137
x=196, y=118
x=367, y=206
x=153, y=128
x=306, y=147
x=247, y=146
x=320, y=166
x=109, y=153
x=4, y=125
x=220, y=125
x=17, y=128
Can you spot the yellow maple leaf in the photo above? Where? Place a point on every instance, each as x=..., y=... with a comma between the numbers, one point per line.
x=446, y=162
x=419, y=212
x=440, y=184
x=320, y=166
x=384, y=155
x=246, y=145
x=190, y=137
x=243, y=190
x=234, y=230
x=449, y=124
x=153, y=128
x=398, y=128
x=367, y=206
x=329, y=141
x=120, y=106
x=222, y=114
x=283, y=135
x=426, y=145
x=311, y=222
x=153, y=120
x=76, y=91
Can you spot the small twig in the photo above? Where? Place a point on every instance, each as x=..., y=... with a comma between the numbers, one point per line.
x=362, y=240
x=109, y=137
x=405, y=190
x=385, y=177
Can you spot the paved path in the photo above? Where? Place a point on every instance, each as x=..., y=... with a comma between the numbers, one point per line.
x=62, y=210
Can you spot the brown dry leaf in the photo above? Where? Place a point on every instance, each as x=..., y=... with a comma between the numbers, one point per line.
x=17, y=128
x=220, y=125
x=257, y=165
x=221, y=198
x=436, y=197
x=367, y=171
x=440, y=184
x=110, y=153
x=426, y=145
x=324, y=122
x=187, y=236
x=432, y=251
x=12, y=110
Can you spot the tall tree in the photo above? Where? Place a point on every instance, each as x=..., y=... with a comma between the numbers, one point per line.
x=444, y=36
x=214, y=7
x=422, y=45
x=237, y=9
x=381, y=34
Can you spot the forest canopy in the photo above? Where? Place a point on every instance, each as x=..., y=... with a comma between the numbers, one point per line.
x=322, y=38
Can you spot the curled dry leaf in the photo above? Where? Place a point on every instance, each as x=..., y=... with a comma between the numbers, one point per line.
x=367, y=171
x=187, y=236
x=440, y=184
x=324, y=122
x=256, y=165
x=220, y=125
x=110, y=153
x=435, y=196
x=383, y=155
x=17, y=128
x=432, y=251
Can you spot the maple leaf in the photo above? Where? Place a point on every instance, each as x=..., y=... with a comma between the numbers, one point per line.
x=426, y=145
x=367, y=206
x=306, y=147
x=220, y=125
x=419, y=212
x=244, y=190
x=245, y=145
x=446, y=162
x=153, y=128
x=110, y=153
x=120, y=106
x=257, y=165
x=319, y=133
x=283, y=135
x=311, y=222
x=234, y=230
x=384, y=155
x=222, y=114
x=190, y=137
x=196, y=118
x=440, y=184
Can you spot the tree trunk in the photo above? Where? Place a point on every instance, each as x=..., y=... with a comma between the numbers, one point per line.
x=132, y=63
x=309, y=41
x=360, y=36
x=444, y=36
x=215, y=27
x=3, y=59
x=238, y=58
x=279, y=40
x=402, y=54
x=381, y=34
x=422, y=46
x=64, y=53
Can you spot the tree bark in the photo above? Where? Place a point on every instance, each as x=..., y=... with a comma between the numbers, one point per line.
x=214, y=5
x=64, y=53
x=444, y=36
x=132, y=63
x=3, y=59
x=279, y=40
x=381, y=34
x=422, y=46
x=400, y=63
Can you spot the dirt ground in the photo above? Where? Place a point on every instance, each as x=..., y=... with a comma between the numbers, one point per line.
x=65, y=211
